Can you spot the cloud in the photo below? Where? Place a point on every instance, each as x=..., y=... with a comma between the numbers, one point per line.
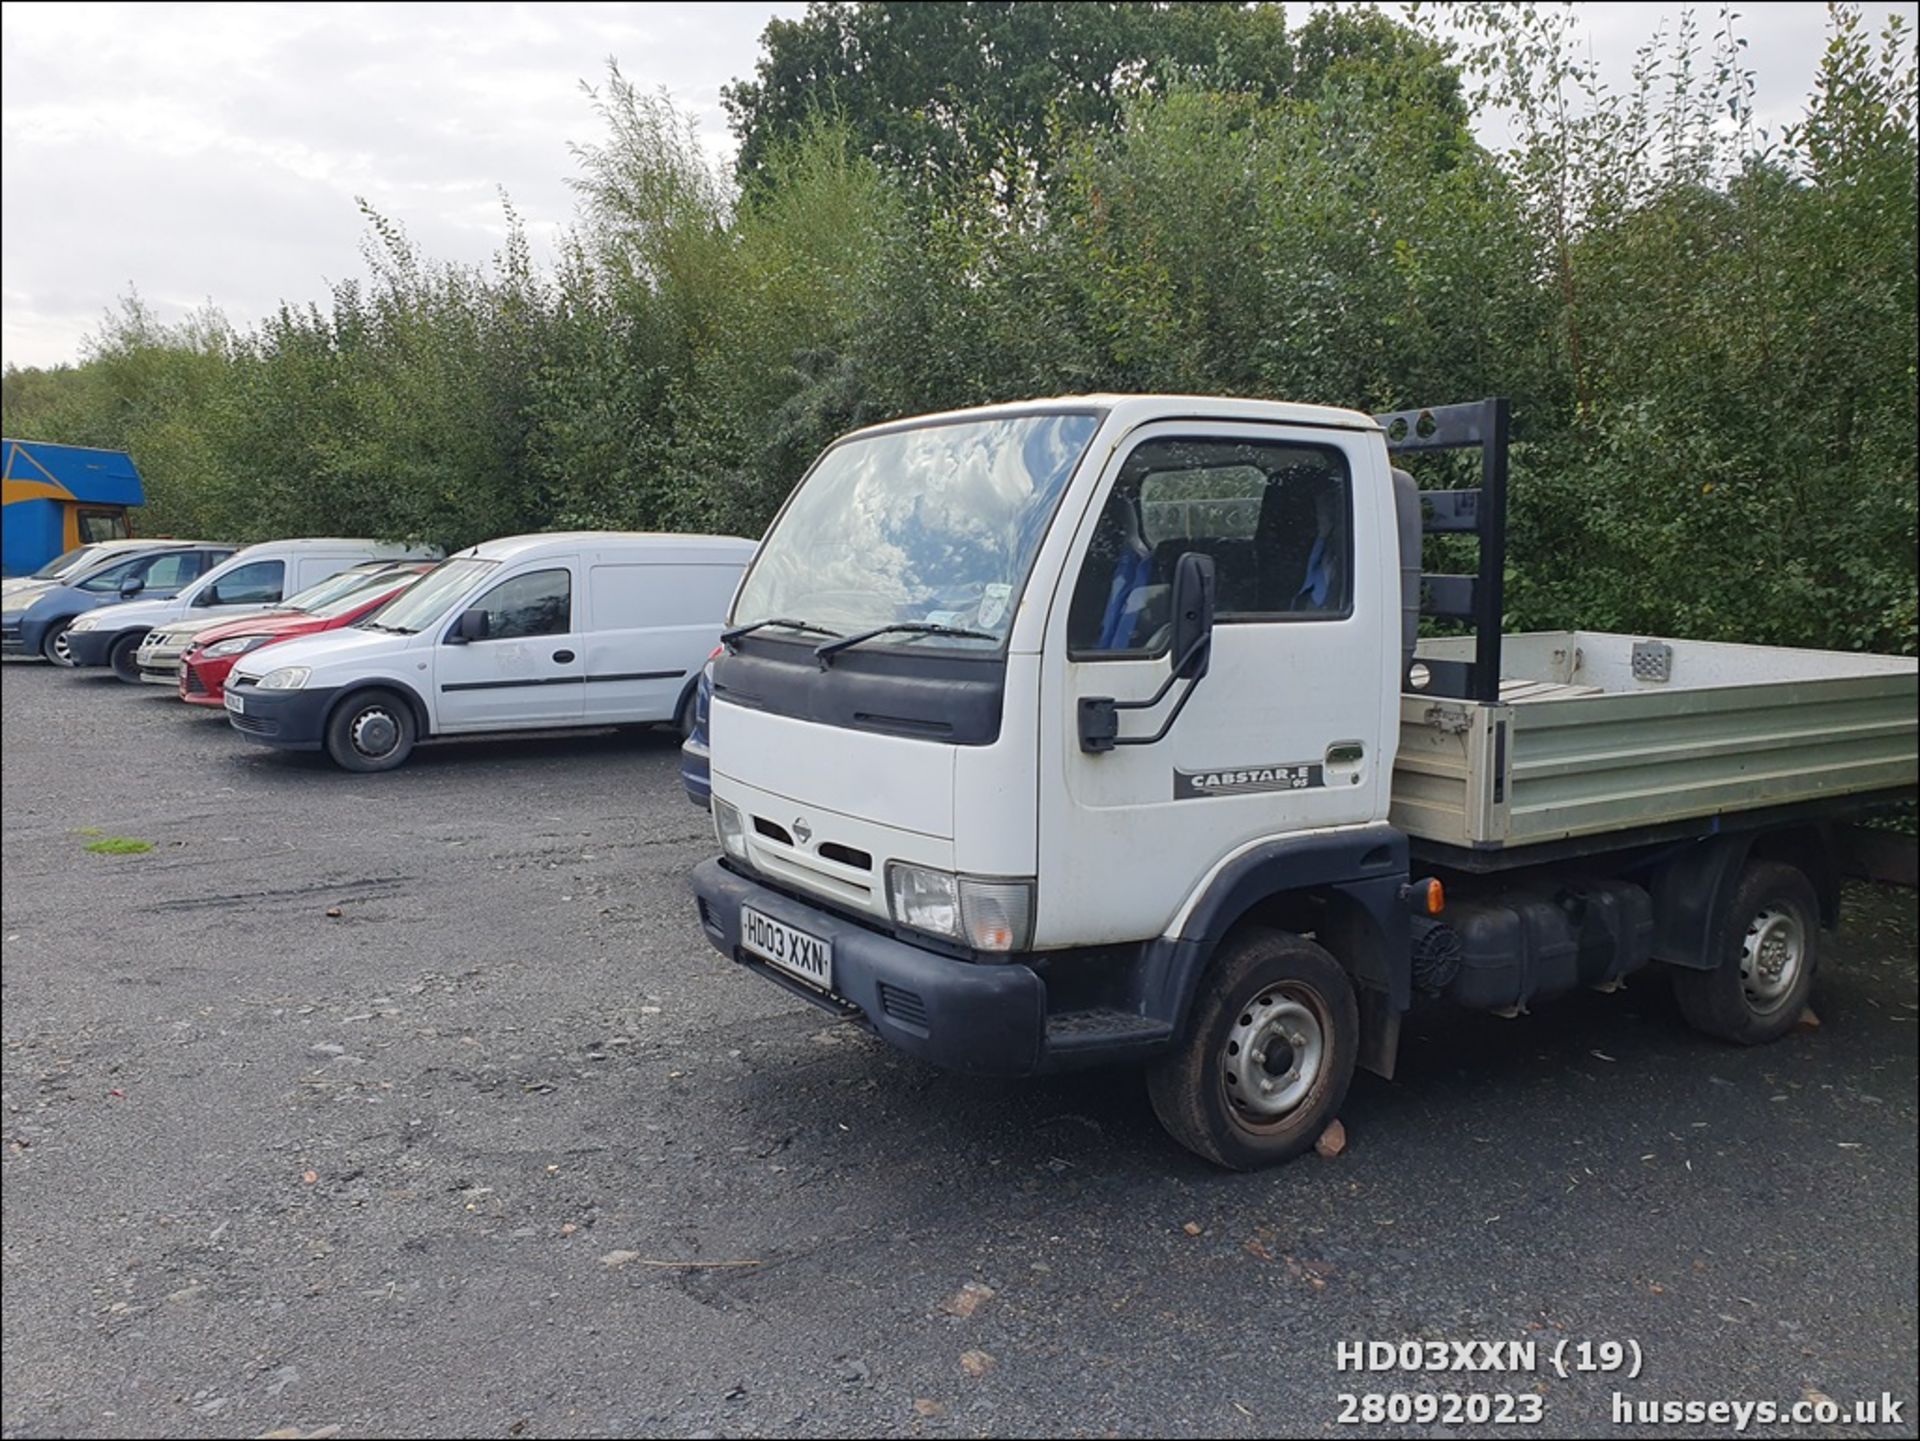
x=198, y=151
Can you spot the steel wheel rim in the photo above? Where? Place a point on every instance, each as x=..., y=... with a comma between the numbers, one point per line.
x=1772, y=954
x=375, y=733
x=1274, y=1055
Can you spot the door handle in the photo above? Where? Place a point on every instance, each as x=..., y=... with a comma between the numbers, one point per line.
x=563, y=656
x=1346, y=753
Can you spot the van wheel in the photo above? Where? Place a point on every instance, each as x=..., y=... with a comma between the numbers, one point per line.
x=54, y=646
x=1268, y=1054
x=371, y=731
x=124, y=657
x=1767, y=950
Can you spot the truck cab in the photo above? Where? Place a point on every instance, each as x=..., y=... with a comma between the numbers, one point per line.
x=1064, y=733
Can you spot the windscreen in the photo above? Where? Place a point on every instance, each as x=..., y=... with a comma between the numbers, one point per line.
x=369, y=587
x=60, y=564
x=421, y=604
x=321, y=593
x=935, y=524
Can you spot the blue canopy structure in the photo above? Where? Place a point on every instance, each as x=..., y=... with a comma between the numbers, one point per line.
x=55, y=497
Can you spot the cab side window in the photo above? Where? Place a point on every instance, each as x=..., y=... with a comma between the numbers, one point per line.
x=537, y=603
x=173, y=570
x=1276, y=517
x=259, y=582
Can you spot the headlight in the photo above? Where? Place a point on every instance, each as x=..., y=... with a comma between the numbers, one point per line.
x=86, y=622
x=987, y=914
x=239, y=645
x=288, y=677
x=729, y=829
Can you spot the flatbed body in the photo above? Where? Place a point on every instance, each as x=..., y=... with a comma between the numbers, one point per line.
x=1585, y=743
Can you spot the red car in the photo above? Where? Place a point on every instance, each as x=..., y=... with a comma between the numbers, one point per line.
x=205, y=663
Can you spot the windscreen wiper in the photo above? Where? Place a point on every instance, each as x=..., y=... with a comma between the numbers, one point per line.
x=729, y=637
x=825, y=653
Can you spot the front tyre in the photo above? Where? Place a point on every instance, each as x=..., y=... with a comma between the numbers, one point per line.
x=373, y=730
x=1767, y=952
x=54, y=646
x=1268, y=1054
x=124, y=657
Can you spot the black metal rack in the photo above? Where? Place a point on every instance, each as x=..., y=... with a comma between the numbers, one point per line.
x=1477, y=600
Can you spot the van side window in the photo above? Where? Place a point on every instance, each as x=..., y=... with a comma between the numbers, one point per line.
x=173, y=570
x=1275, y=516
x=537, y=603
x=258, y=582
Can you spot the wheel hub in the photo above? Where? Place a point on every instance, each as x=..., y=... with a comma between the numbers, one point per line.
x=375, y=732
x=1273, y=1056
x=1771, y=955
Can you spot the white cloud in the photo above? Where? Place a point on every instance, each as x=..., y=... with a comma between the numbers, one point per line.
x=214, y=151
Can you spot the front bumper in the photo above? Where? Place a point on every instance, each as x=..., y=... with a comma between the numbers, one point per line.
x=90, y=647
x=202, y=682
x=988, y=1018
x=11, y=640
x=696, y=774
x=291, y=719
x=159, y=664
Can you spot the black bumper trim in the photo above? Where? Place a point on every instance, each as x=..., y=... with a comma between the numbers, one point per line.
x=979, y=1017
x=90, y=647
x=291, y=719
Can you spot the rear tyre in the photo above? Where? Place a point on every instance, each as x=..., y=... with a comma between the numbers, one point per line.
x=124, y=658
x=1267, y=1057
x=371, y=731
x=683, y=718
x=1767, y=950
x=54, y=645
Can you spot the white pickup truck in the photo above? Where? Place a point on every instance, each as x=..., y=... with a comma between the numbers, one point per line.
x=1097, y=730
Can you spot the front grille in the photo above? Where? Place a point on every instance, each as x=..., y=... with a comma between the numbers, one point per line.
x=903, y=1005
x=192, y=683
x=253, y=724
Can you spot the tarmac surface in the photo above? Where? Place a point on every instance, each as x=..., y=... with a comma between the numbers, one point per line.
x=418, y=1105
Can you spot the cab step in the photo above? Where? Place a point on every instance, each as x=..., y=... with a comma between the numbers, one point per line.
x=1105, y=1031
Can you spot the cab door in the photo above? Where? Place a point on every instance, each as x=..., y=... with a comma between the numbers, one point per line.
x=1282, y=734
x=526, y=670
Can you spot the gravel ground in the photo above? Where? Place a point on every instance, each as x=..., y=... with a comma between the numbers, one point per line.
x=502, y=1147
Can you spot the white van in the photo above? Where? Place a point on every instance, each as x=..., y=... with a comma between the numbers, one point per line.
x=535, y=632
x=251, y=579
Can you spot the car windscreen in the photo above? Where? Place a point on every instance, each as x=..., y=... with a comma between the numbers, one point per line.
x=930, y=526
x=420, y=605
x=324, y=592
x=61, y=564
x=370, y=586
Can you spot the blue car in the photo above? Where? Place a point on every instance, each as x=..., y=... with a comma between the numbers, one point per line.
x=35, y=618
x=695, y=772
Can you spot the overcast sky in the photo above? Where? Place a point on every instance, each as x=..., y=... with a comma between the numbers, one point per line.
x=213, y=152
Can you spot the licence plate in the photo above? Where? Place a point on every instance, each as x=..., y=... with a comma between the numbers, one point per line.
x=795, y=952
x=236, y=704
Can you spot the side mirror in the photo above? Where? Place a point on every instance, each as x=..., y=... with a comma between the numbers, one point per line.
x=132, y=585
x=471, y=626
x=209, y=595
x=1193, y=591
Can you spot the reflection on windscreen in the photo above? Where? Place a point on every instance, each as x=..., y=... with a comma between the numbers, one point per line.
x=937, y=525
x=61, y=563
x=421, y=604
x=358, y=595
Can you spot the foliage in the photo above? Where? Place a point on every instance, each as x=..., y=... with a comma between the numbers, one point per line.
x=1708, y=332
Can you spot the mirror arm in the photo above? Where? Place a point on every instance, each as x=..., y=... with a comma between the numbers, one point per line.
x=1100, y=715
